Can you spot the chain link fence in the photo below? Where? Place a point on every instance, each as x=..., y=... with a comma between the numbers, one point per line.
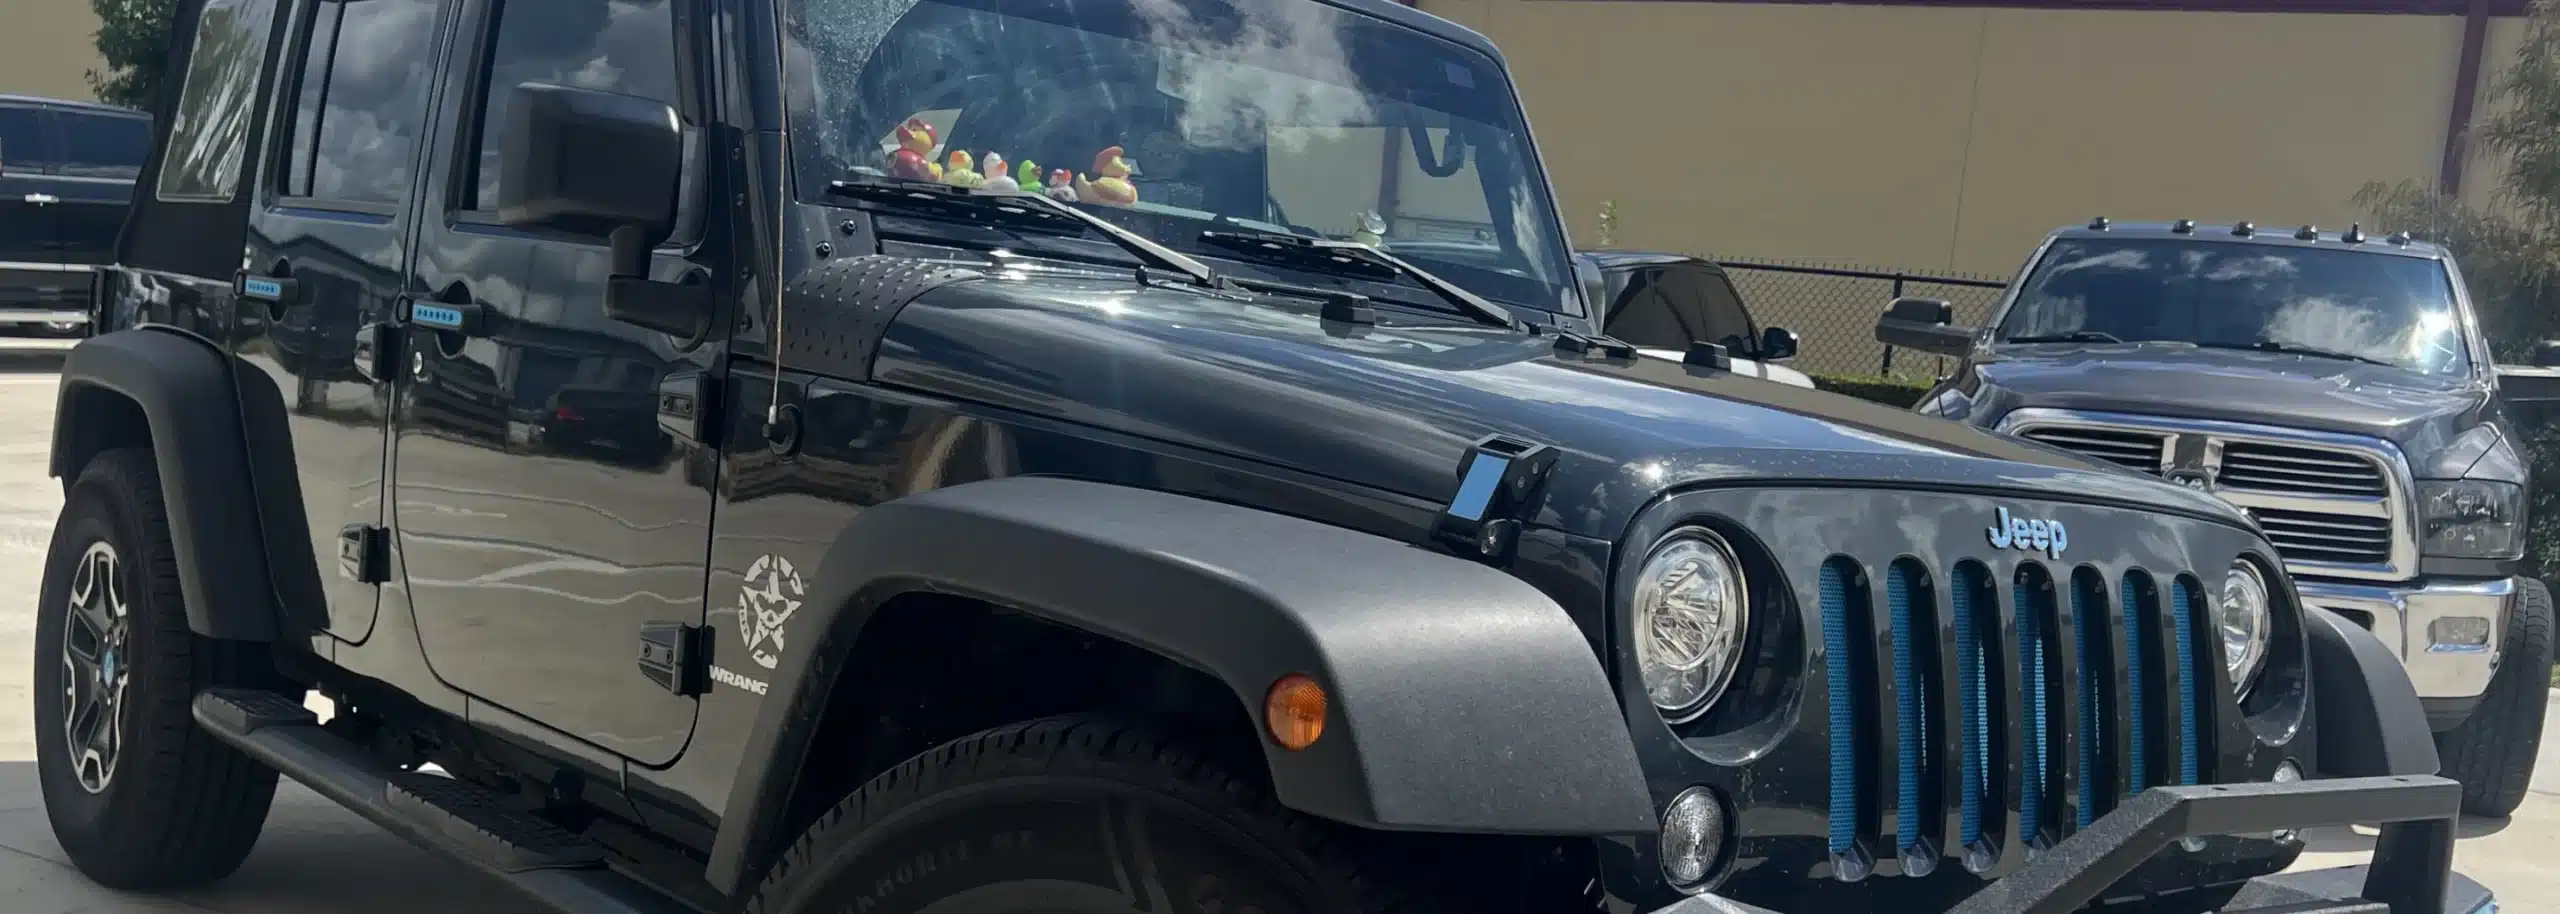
x=1834, y=310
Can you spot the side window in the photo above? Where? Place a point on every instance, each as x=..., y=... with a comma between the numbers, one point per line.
x=27, y=140
x=1644, y=313
x=103, y=145
x=625, y=46
x=1720, y=308
x=216, y=99
x=360, y=102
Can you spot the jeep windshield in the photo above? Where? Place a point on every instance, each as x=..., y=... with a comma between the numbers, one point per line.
x=1179, y=117
x=2334, y=304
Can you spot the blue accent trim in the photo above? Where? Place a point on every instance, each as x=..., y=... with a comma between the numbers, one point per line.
x=2030, y=608
x=2130, y=614
x=1475, y=493
x=267, y=289
x=2090, y=623
x=1977, y=713
x=435, y=316
x=1910, y=712
x=2190, y=728
x=1844, y=708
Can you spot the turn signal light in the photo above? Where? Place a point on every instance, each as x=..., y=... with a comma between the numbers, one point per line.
x=1294, y=711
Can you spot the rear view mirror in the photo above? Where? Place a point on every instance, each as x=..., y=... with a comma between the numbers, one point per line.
x=1925, y=324
x=607, y=166
x=1777, y=344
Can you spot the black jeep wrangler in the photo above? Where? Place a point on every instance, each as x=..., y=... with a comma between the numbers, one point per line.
x=2334, y=385
x=1230, y=519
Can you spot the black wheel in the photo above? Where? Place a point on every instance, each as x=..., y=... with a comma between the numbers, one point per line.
x=1076, y=815
x=139, y=797
x=2492, y=753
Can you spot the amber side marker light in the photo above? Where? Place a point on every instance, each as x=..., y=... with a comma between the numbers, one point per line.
x=1294, y=711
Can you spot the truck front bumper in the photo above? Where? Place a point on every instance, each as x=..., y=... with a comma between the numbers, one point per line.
x=2411, y=873
x=2447, y=633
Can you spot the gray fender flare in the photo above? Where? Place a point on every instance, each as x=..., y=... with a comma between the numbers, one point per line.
x=1431, y=662
x=2367, y=713
x=183, y=388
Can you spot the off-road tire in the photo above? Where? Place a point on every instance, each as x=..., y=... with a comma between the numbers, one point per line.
x=2492, y=753
x=180, y=808
x=1075, y=802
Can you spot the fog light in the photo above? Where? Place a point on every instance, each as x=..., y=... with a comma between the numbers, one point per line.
x=2458, y=635
x=2286, y=773
x=1693, y=828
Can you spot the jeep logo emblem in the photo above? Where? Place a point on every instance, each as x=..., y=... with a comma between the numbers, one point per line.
x=2045, y=536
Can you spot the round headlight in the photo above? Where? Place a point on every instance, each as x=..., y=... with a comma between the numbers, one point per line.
x=1689, y=615
x=2243, y=618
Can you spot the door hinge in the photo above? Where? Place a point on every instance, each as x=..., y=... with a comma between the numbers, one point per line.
x=676, y=656
x=364, y=553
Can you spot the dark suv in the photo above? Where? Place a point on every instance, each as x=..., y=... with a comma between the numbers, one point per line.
x=1179, y=546
x=66, y=177
x=2334, y=385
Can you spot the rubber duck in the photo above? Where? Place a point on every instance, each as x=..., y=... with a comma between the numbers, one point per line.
x=996, y=179
x=1061, y=186
x=913, y=157
x=1028, y=176
x=1110, y=182
x=962, y=172
x=1372, y=230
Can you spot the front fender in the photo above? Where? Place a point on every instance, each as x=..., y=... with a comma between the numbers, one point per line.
x=1465, y=700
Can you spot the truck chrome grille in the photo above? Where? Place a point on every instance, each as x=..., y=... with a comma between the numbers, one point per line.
x=2333, y=505
x=2109, y=688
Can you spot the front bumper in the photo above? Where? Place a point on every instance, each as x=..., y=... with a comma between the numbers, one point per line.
x=2411, y=873
x=2407, y=617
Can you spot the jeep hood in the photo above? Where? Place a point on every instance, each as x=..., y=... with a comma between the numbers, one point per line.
x=2422, y=414
x=1394, y=407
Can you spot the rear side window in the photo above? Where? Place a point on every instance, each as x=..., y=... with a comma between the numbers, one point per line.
x=217, y=98
x=103, y=145
x=625, y=46
x=1672, y=307
x=27, y=141
x=360, y=102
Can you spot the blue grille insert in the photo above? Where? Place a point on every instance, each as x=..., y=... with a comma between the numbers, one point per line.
x=1974, y=693
x=1910, y=709
x=2137, y=719
x=2033, y=601
x=2190, y=726
x=1845, y=708
x=2089, y=615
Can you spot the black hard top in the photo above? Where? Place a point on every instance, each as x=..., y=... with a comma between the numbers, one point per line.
x=1613, y=259
x=81, y=104
x=2268, y=233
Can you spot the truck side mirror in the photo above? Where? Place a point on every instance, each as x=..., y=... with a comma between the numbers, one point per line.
x=1777, y=344
x=2546, y=354
x=2538, y=383
x=607, y=166
x=1925, y=324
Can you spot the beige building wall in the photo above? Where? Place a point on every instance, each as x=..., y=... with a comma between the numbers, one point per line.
x=1952, y=138
x=47, y=47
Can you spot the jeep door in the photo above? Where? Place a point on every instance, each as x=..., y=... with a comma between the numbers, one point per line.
x=31, y=269
x=543, y=514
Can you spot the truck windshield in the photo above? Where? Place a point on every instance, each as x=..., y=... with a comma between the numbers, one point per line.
x=2373, y=306
x=1173, y=117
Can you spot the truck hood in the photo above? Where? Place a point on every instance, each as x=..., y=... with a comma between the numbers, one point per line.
x=1394, y=407
x=2422, y=414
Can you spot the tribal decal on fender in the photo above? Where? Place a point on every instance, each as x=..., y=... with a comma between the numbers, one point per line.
x=772, y=592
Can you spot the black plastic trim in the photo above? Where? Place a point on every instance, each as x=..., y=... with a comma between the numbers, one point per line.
x=1437, y=665
x=2447, y=713
x=183, y=389
x=2368, y=718
x=2435, y=566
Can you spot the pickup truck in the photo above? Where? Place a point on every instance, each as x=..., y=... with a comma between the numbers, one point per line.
x=66, y=178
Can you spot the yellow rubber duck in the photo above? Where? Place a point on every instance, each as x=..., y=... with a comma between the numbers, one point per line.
x=1110, y=184
x=962, y=172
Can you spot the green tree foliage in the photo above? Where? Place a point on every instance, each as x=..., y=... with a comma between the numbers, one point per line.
x=2510, y=251
x=133, y=36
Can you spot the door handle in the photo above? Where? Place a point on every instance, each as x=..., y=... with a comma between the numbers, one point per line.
x=43, y=199
x=465, y=319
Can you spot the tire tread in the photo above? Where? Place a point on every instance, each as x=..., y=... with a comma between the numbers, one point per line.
x=2493, y=752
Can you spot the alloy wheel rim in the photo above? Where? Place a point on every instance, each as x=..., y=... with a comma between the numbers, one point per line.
x=96, y=666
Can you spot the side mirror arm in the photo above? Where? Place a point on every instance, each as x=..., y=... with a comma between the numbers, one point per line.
x=681, y=309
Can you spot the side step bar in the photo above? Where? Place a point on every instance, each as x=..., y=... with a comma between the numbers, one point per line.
x=456, y=818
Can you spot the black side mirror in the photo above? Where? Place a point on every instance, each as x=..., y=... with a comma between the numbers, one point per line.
x=2546, y=354
x=608, y=166
x=2538, y=383
x=1777, y=344
x=1925, y=324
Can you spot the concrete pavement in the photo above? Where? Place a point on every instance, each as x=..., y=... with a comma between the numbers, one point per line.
x=317, y=859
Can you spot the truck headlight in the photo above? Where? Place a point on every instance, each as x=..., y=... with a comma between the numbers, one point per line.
x=2243, y=618
x=1688, y=612
x=2471, y=519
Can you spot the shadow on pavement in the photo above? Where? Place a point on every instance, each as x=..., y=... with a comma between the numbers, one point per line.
x=2359, y=840
x=16, y=357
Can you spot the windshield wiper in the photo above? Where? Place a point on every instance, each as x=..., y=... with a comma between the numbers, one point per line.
x=2076, y=336
x=2299, y=349
x=1017, y=210
x=1360, y=261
